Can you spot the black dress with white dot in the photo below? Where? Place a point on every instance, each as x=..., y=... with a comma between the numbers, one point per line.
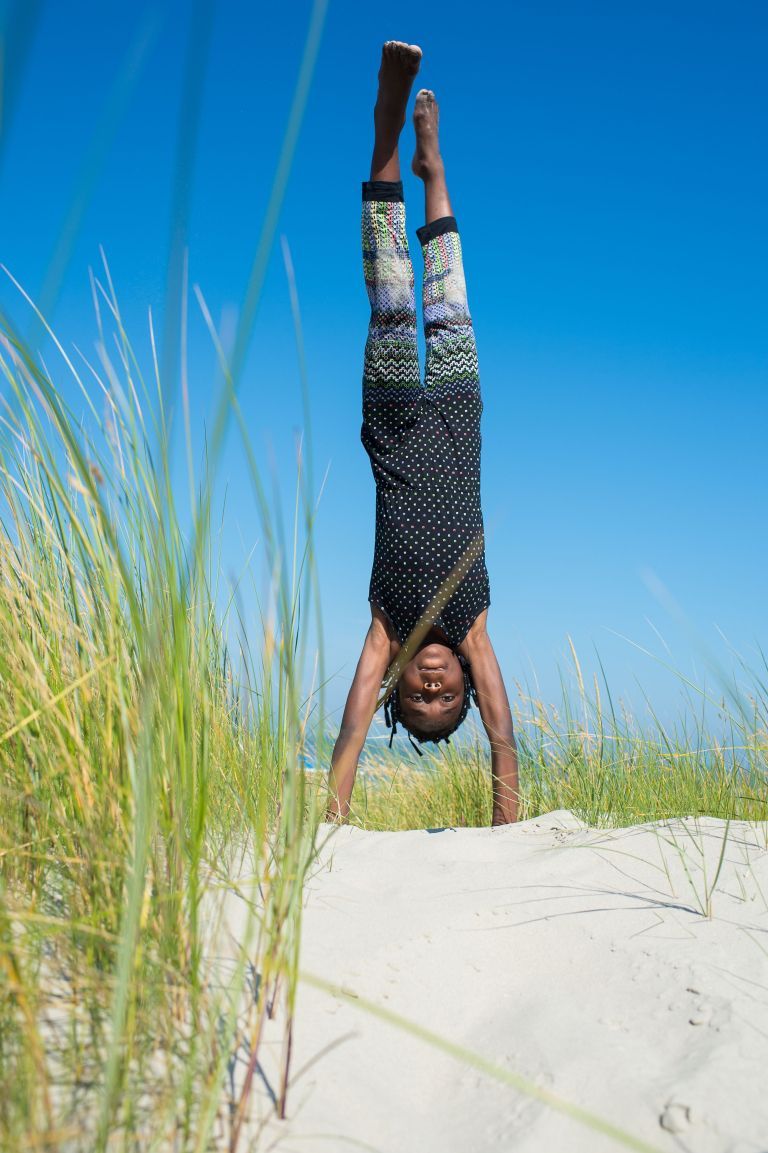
x=423, y=441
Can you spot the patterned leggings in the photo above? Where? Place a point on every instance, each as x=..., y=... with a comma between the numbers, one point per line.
x=391, y=351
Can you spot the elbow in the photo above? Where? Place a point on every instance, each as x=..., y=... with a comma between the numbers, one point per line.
x=500, y=730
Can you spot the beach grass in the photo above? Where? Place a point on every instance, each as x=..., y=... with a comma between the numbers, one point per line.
x=151, y=739
x=141, y=751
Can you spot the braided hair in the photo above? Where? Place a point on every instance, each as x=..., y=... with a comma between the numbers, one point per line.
x=393, y=715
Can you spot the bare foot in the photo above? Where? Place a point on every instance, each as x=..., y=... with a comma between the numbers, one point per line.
x=399, y=65
x=427, y=161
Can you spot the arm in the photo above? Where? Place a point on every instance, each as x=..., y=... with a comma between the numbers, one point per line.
x=358, y=714
x=496, y=716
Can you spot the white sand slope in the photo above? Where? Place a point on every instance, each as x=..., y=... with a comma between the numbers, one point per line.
x=576, y=958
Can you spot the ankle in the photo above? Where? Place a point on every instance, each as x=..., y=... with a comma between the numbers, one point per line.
x=431, y=169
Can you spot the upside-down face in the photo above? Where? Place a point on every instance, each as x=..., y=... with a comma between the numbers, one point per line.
x=431, y=690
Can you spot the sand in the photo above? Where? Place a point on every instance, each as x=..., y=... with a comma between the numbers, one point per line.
x=580, y=960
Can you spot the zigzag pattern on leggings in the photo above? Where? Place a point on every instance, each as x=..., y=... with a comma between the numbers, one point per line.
x=391, y=365
x=450, y=337
x=391, y=353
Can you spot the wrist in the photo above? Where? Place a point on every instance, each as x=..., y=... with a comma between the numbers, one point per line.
x=337, y=815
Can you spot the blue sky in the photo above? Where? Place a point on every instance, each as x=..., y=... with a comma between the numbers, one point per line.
x=609, y=170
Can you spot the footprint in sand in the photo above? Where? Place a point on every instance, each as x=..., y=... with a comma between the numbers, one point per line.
x=675, y=1117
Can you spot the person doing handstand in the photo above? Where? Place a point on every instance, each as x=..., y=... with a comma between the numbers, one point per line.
x=429, y=592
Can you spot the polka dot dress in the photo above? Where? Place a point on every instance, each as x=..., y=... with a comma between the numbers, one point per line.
x=423, y=441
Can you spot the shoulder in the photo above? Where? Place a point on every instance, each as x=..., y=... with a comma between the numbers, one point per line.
x=477, y=637
x=382, y=632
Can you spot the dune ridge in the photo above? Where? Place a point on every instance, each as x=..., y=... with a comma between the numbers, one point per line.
x=581, y=960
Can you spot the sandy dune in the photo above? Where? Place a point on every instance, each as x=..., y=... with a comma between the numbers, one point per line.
x=578, y=959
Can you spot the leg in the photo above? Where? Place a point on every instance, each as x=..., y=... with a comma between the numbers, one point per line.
x=450, y=338
x=399, y=65
x=427, y=161
x=391, y=367
x=391, y=352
